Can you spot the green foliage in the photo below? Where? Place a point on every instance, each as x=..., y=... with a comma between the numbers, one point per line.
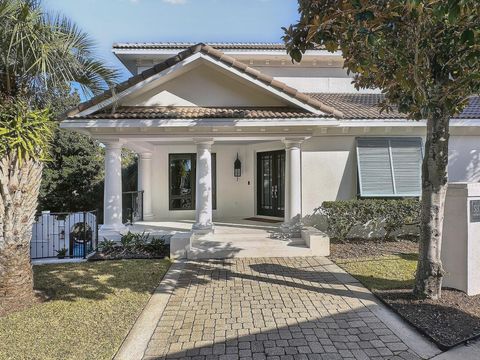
x=24, y=133
x=61, y=253
x=73, y=179
x=423, y=54
x=107, y=246
x=391, y=215
x=43, y=51
x=156, y=246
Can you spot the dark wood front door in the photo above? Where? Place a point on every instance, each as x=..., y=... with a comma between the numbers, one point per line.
x=271, y=183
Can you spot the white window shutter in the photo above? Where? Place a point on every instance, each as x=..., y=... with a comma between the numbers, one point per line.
x=407, y=165
x=389, y=167
x=375, y=173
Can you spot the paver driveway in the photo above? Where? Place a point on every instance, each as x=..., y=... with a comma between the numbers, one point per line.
x=270, y=308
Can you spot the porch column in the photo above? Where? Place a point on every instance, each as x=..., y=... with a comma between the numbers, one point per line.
x=145, y=183
x=203, y=188
x=112, y=201
x=293, y=182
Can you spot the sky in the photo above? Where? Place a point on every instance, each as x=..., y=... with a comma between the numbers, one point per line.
x=109, y=21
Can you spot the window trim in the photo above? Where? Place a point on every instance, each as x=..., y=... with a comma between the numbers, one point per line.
x=389, y=139
x=193, y=157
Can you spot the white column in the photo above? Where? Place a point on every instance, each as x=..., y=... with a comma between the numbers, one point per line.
x=145, y=183
x=112, y=201
x=203, y=189
x=293, y=182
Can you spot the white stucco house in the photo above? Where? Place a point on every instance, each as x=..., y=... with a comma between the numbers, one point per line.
x=301, y=132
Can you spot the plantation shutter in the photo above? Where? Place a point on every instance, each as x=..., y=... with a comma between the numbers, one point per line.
x=389, y=166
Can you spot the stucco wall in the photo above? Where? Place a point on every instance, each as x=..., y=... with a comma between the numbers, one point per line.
x=204, y=86
x=329, y=172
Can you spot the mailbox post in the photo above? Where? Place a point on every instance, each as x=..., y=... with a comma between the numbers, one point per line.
x=461, y=238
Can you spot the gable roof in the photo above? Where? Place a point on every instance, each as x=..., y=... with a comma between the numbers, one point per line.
x=216, y=55
x=366, y=106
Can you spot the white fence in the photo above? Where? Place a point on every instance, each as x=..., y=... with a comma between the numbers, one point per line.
x=77, y=233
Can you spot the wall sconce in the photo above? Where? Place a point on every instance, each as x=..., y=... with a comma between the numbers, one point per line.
x=237, y=168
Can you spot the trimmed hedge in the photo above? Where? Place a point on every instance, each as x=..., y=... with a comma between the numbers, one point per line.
x=390, y=215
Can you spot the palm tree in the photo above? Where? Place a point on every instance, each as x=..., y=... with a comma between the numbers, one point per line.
x=39, y=54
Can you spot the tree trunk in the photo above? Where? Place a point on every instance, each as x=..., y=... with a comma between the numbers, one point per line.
x=19, y=186
x=428, y=282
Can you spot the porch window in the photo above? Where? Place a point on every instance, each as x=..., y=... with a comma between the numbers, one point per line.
x=389, y=167
x=182, y=168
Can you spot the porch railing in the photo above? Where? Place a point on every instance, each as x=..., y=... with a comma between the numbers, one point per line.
x=132, y=206
x=64, y=234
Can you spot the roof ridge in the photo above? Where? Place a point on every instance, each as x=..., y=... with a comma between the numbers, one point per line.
x=218, y=55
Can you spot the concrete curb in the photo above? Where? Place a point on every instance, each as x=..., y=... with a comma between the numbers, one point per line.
x=410, y=337
x=136, y=342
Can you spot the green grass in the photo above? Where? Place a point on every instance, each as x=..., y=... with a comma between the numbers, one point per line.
x=382, y=273
x=92, y=306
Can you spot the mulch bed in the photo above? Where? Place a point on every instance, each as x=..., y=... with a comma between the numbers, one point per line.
x=120, y=254
x=453, y=319
x=354, y=249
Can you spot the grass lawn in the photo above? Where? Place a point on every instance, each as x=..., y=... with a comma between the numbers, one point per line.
x=384, y=272
x=92, y=306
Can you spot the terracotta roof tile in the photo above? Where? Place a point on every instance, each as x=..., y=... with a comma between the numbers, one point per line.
x=218, y=55
x=193, y=112
x=366, y=106
x=216, y=45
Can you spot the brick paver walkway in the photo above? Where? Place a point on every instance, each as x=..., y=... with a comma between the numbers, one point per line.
x=255, y=308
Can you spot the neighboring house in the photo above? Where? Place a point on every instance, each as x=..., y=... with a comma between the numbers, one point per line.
x=302, y=134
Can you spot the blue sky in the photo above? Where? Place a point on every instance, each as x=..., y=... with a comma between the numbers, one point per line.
x=109, y=21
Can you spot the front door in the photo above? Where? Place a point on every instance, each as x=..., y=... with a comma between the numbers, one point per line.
x=271, y=183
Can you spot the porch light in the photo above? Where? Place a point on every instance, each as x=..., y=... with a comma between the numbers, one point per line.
x=237, y=168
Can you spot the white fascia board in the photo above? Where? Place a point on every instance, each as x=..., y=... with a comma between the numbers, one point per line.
x=268, y=88
x=157, y=123
x=403, y=122
x=139, y=85
x=246, y=52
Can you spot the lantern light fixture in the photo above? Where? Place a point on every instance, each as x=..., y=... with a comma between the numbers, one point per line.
x=237, y=168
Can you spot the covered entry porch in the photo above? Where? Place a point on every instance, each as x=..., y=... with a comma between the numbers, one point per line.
x=195, y=179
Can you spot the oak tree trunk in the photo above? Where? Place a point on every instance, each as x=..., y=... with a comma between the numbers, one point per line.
x=428, y=282
x=19, y=186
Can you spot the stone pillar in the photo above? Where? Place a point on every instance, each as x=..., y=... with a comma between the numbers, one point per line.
x=145, y=183
x=293, y=183
x=203, y=189
x=112, y=201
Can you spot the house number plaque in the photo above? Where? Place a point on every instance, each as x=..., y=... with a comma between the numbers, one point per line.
x=474, y=211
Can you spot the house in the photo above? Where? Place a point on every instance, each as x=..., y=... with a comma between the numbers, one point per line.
x=235, y=130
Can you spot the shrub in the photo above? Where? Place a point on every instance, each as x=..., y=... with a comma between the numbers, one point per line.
x=391, y=215
x=106, y=245
x=156, y=247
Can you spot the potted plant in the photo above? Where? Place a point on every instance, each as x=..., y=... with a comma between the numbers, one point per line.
x=61, y=253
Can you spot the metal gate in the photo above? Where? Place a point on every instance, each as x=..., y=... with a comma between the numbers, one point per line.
x=62, y=234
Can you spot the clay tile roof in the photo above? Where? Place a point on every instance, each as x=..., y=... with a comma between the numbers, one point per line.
x=218, y=55
x=194, y=112
x=366, y=106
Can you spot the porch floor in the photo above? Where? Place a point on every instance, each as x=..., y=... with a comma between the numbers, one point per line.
x=232, y=238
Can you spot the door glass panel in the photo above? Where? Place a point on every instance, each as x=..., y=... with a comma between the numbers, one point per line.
x=267, y=182
x=181, y=181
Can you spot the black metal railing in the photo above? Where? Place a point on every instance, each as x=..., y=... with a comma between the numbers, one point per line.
x=64, y=234
x=132, y=206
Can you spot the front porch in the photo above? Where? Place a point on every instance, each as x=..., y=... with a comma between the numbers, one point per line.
x=234, y=237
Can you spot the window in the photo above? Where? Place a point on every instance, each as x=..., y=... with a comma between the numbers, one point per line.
x=389, y=167
x=182, y=173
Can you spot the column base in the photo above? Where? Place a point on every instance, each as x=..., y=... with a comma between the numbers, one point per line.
x=148, y=217
x=114, y=230
x=203, y=229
